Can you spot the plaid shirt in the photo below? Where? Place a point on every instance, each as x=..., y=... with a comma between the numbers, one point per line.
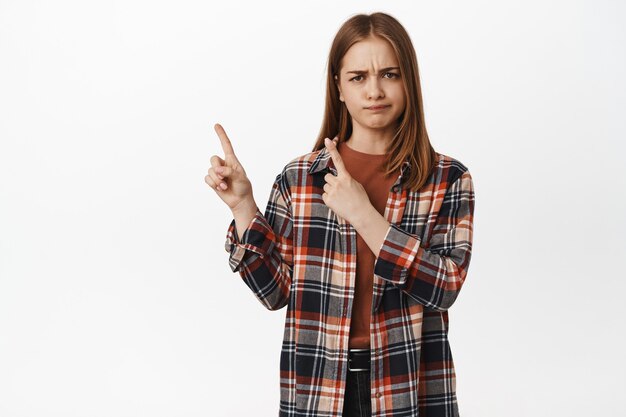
x=300, y=254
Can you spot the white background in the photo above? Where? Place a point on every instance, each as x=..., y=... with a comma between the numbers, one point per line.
x=116, y=298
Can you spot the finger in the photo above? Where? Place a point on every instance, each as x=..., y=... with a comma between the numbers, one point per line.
x=209, y=181
x=226, y=144
x=334, y=154
x=215, y=174
x=223, y=171
x=219, y=180
x=217, y=162
x=215, y=182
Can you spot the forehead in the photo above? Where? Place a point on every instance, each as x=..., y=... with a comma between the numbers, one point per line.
x=370, y=53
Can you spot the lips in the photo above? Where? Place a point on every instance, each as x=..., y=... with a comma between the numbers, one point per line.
x=377, y=107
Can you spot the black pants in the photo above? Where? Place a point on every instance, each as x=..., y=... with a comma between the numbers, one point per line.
x=358, y=397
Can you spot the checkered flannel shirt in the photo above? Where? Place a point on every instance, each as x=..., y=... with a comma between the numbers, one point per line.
x=300, y=254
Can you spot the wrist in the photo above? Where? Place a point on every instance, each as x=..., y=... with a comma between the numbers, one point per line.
x=245, y=207
x=363, y=216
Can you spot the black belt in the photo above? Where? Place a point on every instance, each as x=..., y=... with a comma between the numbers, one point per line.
x=359, y=359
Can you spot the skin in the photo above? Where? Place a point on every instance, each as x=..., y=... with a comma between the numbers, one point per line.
x=348, y=199
x=229, y=180
x=372, y=131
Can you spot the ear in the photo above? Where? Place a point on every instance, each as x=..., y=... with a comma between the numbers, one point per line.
x=338, y=88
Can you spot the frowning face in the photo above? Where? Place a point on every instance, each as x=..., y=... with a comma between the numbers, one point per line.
x=371, y=86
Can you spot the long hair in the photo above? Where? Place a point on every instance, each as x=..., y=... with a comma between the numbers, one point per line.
x=411, y=139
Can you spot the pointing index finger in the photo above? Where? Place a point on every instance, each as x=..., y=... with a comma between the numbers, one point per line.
x=226, y=144
x=334, y=154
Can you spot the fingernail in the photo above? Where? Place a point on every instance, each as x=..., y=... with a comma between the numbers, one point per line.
x=326, y=141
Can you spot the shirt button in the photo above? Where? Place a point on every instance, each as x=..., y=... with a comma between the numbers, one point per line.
x=378, y=394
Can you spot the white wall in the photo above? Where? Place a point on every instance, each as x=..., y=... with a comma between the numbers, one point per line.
x=116, y=298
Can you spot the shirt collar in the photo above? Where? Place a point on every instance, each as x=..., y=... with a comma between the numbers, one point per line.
x=323, y=162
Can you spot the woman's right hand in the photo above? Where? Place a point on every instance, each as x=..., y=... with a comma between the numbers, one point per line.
x=227, y=176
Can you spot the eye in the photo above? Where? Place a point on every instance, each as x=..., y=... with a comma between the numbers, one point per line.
x=393, y=75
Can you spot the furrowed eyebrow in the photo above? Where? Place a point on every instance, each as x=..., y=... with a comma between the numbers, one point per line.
x=365, y=72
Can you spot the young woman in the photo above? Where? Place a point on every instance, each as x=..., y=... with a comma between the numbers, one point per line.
x=367, y=240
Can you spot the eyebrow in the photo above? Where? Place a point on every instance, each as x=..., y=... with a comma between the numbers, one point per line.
x=365, y=72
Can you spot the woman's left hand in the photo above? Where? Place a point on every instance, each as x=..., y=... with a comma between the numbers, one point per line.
x=342, y=193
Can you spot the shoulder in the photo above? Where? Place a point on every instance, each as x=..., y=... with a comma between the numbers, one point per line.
x=298, y=167
x=302, y=162
x=295, y=171
x=449, y=169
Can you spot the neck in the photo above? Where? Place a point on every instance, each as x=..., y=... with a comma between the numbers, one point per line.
x=369, y=141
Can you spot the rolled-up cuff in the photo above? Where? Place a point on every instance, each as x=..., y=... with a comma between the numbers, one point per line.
x=396, y=255
x=258, y=238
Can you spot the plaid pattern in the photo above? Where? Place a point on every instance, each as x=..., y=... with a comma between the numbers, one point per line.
x=300, y=254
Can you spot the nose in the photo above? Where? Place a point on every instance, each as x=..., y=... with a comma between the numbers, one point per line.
x=373, y=88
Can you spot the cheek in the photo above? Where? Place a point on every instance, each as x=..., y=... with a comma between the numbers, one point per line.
x=398, y=93
x=400, y=99
x=351, y=104
x=349, y=97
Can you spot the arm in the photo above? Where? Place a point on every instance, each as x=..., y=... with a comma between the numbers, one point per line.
x=433, y=276
x=263, y=255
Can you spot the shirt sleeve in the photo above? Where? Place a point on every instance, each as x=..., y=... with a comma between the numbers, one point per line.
x=433, y=275
x=263, y=256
